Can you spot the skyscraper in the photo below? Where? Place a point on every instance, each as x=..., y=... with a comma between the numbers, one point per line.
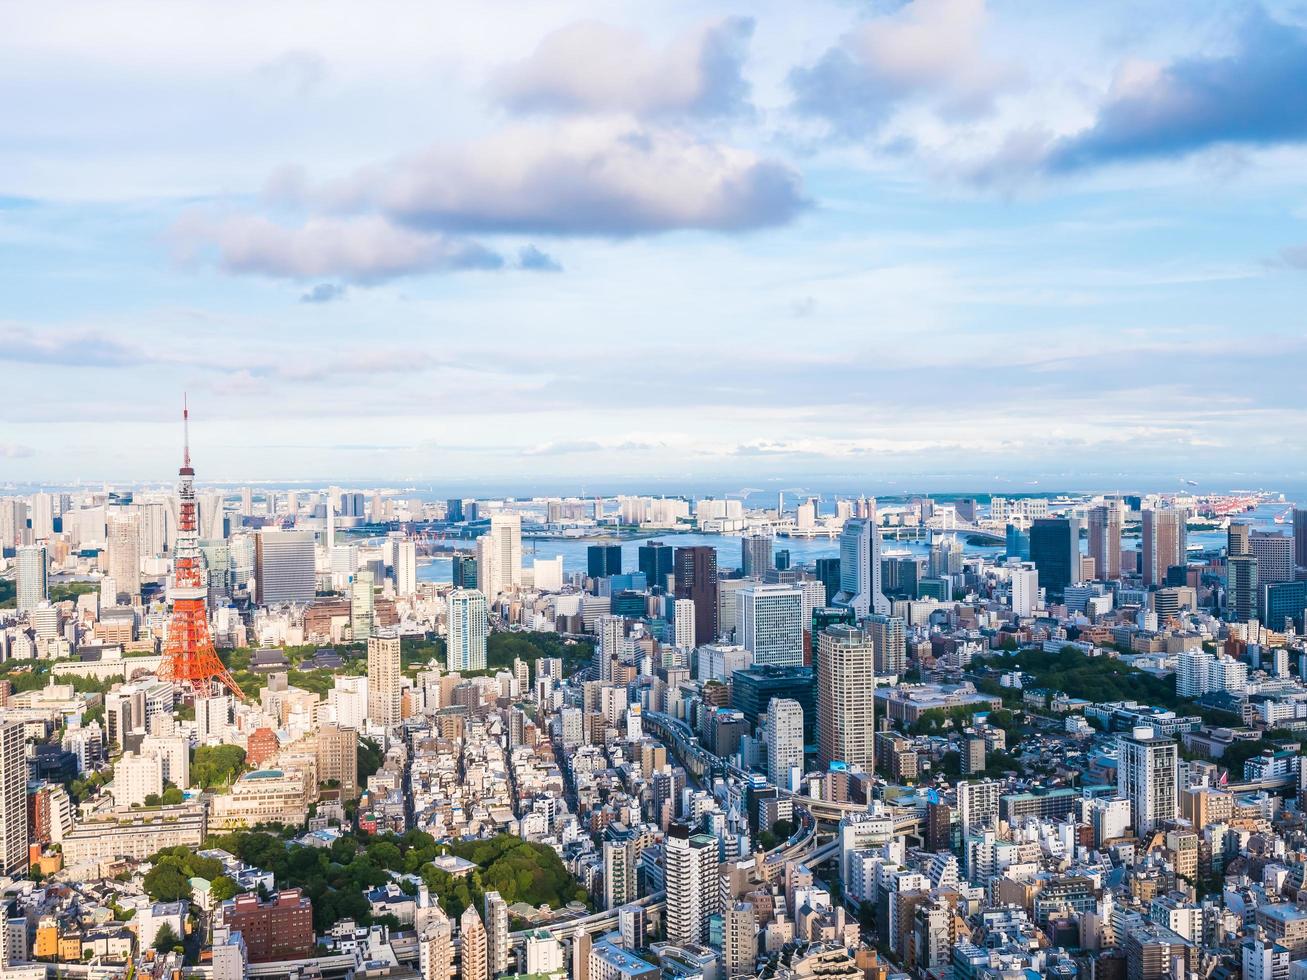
x=467, y=627
x=602, y=560
x=384, y=678
x=655, y=560
x=683, y=623
x=828, y=573
x=465, y=572
x=977, y=806
x=406, y=567
x=1054, y=552
x=846, y=684
x=695, y=571
x=454, y=510
x=1241, y=587
x=1165, y=543
x=691, y=869
x=1147, y=774
x=124, y=545
x=1025, y=591
x=362, y=604
x=784, y=742
x=771, y=624
x=283, y=566
x=1300, y=537
x=1105, y=540
x=33, y=577
x=860, y=571
x=889, y=635
x=755, y=555
x=1274, y=554
x=13, y=799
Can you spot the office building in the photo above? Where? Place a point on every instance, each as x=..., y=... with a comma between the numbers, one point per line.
x=860, y=570
x=828, y=573
x=1105, y=540
x=467, y=630
x=691, y=868
x=465, y=572
x=499, y=556
x=771, y=624
x=1147, y=774
x=755, y=555
x=406, y=567
x=846, y=684
x=1300, y=537
x=1165, y=543
x=454, y=510
x=283, y=567
x=1274, y=554
x=753, y=689
x=1283, y=604
x=278, y=929
x=385, y=676
x=362, y=604
x=784, y=742
x=337, y=757
x=682, y=623
x=1054, y=552
x=13, y=799
x=1241, y=588
x=655, y=560
x=1017, y=543
x=33, y=583
x=603, y=560
x=695, y=573
x=124, y=551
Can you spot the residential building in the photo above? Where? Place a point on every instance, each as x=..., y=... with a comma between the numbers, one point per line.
x=385, y=677
x=846, y=686
x=467, y=630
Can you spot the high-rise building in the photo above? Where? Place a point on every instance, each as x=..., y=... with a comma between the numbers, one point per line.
x=362, y=604
x=1148, y=775
x=283, y=566
x=1105, y=540
x=124, y=547
x=691, y=868
x=338, y=758
x=860, y=571
x=602, y=560
x=846, y=683
x=498, y=943
x=468, y=628
x=889, y=635
x=1165, y=543
x=683, y=623
x=1274, y=554
x=454, y=510
x=739, y=939
x=506, y=540
x=784, y=742
x=1283, y=605
x=406, y=567
x=13, y=799
x=655, y=560
x=1025, y=591
x=755, y=555
x=385, y=675
x=828, y=573
x=619, y=866
x=1300, y=537
x=1241, y=587
x=474, y=952
x=1054, y=553
x=33, y=576
x=977, y=806
x=465, y=572
x=771, y=624
x=436, y=945
x=1237, y=540
x=695, y=573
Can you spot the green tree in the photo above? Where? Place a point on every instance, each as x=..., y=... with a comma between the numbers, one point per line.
x=217, y=765
x=166, y=938
x=167, y=882
x=223, y=888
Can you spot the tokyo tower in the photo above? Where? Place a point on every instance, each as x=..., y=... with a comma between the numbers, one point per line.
x=188, y=655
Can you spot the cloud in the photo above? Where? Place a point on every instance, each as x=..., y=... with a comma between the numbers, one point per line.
x=563, y=448
x=11, y=450
x=595, y=67
x=927, y=50
x=1249, y=97
x=366, y=249
x=584, y=177
x=75, y=349
x=323, y=292
x=297, y=73
x=530, y=257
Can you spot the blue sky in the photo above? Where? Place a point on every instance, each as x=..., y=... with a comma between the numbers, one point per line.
x=945, y=239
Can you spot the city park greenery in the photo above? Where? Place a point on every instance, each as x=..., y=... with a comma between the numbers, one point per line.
x=336, y=878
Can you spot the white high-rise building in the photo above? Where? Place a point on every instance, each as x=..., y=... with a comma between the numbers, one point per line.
x=1147, y=774
x=498, y=943
x=784, y=742
x=406, y=567
x=13, y=799
x=362, y=604
x=547, y=574
x=739, y=939
x=384, y=679
x=1200, y=672
x=41, y=514
x=499, y=556
x=691, y=883
x=977, y=806
x=1025, y=591
x=1264, y=959
x=467, y=628
x=771, y=624
x=283, y=566
x=860, y=567
x=124, y=546
x=135, y=777
x=212, y=717
x=845, y=665
x=683, y=623
x=33, y=576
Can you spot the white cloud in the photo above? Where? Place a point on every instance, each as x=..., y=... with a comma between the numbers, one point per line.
x=596, y=67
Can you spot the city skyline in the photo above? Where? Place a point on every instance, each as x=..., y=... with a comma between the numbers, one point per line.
x=747, y=242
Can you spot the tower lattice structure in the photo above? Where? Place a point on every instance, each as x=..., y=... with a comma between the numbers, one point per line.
x=189, y=658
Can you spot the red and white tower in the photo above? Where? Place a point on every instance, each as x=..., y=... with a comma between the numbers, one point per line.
x=188, y=656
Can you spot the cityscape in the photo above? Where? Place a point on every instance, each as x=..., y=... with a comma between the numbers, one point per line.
x=709, y=490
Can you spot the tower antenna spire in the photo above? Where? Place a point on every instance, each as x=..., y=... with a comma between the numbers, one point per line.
x=186, y=432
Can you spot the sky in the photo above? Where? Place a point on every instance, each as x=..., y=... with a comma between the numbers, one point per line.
x=973, y=242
